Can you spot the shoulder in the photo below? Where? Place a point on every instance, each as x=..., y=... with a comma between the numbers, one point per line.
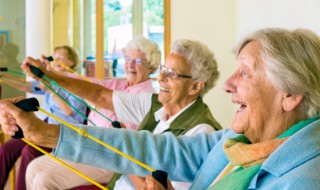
x=303, y=176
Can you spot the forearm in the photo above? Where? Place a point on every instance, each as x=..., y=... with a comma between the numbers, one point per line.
x=94, y=93
x=47, y=137
x=22, y=86
x=154, y=151
x=65, y=108
x=20, y=79
x=137, y=181
x=91, y=79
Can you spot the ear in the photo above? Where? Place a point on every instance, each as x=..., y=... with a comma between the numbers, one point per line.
x=290, y=102
x=196, y=87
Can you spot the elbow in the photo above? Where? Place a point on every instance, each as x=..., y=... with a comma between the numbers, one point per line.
x=104, y=100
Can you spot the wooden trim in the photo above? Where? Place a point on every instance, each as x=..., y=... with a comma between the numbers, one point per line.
x=99, y=67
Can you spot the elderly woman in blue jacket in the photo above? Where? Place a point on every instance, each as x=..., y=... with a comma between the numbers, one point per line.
x=273, y=143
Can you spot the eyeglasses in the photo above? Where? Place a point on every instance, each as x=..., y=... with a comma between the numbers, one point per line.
x=59, y=57
x=137, y=61
x=172, y=73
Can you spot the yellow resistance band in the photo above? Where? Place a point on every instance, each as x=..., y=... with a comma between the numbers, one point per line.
x=65, y=164
x=72, y=71
x=84, y=133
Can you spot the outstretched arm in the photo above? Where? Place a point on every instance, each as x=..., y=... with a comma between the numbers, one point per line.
x=154, y=151
x=16, y=82
x=22, y=86
x=96, y=94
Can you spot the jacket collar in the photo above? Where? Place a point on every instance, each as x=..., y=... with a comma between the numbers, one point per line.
x=300, y=149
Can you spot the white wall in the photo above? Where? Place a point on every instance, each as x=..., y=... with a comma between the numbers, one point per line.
x=213, y=23
x=220, y=23
x=38, y=33
x=291, y=14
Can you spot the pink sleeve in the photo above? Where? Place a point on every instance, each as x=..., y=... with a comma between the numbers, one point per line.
x=130, y=125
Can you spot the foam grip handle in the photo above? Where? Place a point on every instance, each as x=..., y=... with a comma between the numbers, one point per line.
x=50, y=58
x=161, y=177
x=37, y=89
x=116, y=124
x=30, y=104
x=3, y=69
x=36, y=71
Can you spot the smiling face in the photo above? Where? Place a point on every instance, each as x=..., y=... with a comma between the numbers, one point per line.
x=175, y=94
x=261, y=115
x=136, y=72
x=61, y=55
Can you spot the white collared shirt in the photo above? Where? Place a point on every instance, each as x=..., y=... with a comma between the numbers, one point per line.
x=132, y=107
x=161, y=115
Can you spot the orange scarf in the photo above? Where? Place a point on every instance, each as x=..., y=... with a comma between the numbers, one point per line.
x=246, y=155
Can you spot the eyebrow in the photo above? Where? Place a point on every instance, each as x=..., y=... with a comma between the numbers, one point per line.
x=251, y=64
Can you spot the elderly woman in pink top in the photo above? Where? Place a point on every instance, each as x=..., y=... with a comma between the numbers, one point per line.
x=142, y=58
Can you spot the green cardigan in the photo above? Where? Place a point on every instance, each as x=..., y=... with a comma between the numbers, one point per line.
x=197, y=113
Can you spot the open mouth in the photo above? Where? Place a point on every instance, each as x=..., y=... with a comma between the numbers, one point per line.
x=165, y=89
x=132, y=72
x=242, y=106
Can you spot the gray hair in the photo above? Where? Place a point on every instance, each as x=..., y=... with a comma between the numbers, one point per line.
x=292, y=60
x=201, y=59
x=149, y=48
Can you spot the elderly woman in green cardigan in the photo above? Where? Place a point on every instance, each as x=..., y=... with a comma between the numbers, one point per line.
x=189, y=72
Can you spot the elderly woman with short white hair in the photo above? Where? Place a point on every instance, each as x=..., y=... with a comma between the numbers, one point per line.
x=273, y=143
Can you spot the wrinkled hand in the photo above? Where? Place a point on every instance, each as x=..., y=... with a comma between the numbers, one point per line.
x=11, y=116
x=36, y=63
x=45, y=62
x=152, y=184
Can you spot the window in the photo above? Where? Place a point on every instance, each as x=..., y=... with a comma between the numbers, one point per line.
x=122, y=20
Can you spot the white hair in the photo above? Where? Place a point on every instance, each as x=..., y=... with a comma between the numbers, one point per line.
x=148, y=47
x=202, y=62
x=292, y=60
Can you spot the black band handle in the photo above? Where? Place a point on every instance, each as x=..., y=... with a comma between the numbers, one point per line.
x=3, y=68
x=36, y=71
x=50, y=58
x=37, y=88
x=30, y=104
x=116, y=124
x=161, y=177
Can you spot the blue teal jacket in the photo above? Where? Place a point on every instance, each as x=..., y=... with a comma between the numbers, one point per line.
x=198, y=159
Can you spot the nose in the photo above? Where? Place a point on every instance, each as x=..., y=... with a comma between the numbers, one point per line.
x=131, y=63
x=162, y=76
x=229, y=85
